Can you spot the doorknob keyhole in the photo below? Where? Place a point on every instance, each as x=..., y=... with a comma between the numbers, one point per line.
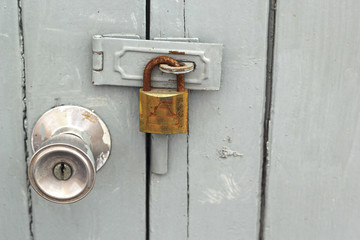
x=62, y=171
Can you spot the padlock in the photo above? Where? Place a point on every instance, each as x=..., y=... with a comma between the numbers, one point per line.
x=163, y=111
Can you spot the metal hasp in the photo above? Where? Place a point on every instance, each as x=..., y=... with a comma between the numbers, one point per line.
x=163, y=111
x=70, y=144
x=119, y=60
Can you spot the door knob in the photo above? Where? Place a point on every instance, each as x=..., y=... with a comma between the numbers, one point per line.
x=70, y=144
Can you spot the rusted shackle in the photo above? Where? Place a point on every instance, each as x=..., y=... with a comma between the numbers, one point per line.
x=160, y=60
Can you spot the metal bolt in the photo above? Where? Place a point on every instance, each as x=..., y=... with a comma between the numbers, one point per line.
x=62, y=171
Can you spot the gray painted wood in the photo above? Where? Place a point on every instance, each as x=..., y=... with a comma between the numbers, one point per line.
x=58, y=68
x=168, y=193
x=14, y=220
x=314, y=166
x=225, y=138
x=225, y=141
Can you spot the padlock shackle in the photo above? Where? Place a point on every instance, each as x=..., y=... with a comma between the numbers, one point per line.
x=160, y=60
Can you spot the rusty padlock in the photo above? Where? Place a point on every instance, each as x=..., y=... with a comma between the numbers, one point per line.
x=163, y=111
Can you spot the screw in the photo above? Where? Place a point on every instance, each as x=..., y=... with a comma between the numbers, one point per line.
x=62, y=171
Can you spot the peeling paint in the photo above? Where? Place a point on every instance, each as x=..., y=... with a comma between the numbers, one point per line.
x=177, y=52
x=226, y=152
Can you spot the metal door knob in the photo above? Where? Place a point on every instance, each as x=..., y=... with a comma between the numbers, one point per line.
x=70, y=144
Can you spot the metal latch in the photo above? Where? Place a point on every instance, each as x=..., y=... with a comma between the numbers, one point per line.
x=120, y=59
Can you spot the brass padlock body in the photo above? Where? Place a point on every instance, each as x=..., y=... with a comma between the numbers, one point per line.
x=163, y=111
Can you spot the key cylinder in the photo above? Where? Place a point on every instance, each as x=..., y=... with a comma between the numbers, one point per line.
x=70, y=144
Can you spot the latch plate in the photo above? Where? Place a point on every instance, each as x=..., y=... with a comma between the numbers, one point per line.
x=120, y=60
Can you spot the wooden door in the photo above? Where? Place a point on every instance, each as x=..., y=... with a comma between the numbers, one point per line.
x=313, y=168
x=213, y=187
x=14, y=203
x=50, y=65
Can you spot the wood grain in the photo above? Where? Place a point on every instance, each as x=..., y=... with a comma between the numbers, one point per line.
x=168, y=193
x=58, y=38
x=314, y=163
x=13, y=190
x=225, y=140
x=225, y=127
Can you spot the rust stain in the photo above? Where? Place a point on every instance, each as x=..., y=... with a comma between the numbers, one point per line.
x=159, y=60
x=89, y=117
x=177, y=52
x=163, y=113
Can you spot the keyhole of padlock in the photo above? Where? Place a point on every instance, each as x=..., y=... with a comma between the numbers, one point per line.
x=62, y=171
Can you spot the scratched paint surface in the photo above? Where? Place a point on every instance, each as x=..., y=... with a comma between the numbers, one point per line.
x=212, y=188
x=14, y=217
x=58, y=71
x=313, y=187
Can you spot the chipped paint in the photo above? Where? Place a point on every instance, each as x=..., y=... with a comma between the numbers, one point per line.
x=226, y=152
x=177, y=52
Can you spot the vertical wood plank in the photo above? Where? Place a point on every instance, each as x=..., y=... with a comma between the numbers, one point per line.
x=58, y=61
x=168, y=193
x=14, y=220
x=314, y=163
x=225, y=140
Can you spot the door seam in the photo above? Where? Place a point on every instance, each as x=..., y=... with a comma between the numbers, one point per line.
x=25, y=128
x=267, y=113
x=148, y=140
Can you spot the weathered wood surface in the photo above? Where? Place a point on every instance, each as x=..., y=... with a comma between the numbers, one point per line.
x=168, y=193
x=58, y=71
x=13, y=190
x=225, y=139
x=225, y=143
x=314, y=167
